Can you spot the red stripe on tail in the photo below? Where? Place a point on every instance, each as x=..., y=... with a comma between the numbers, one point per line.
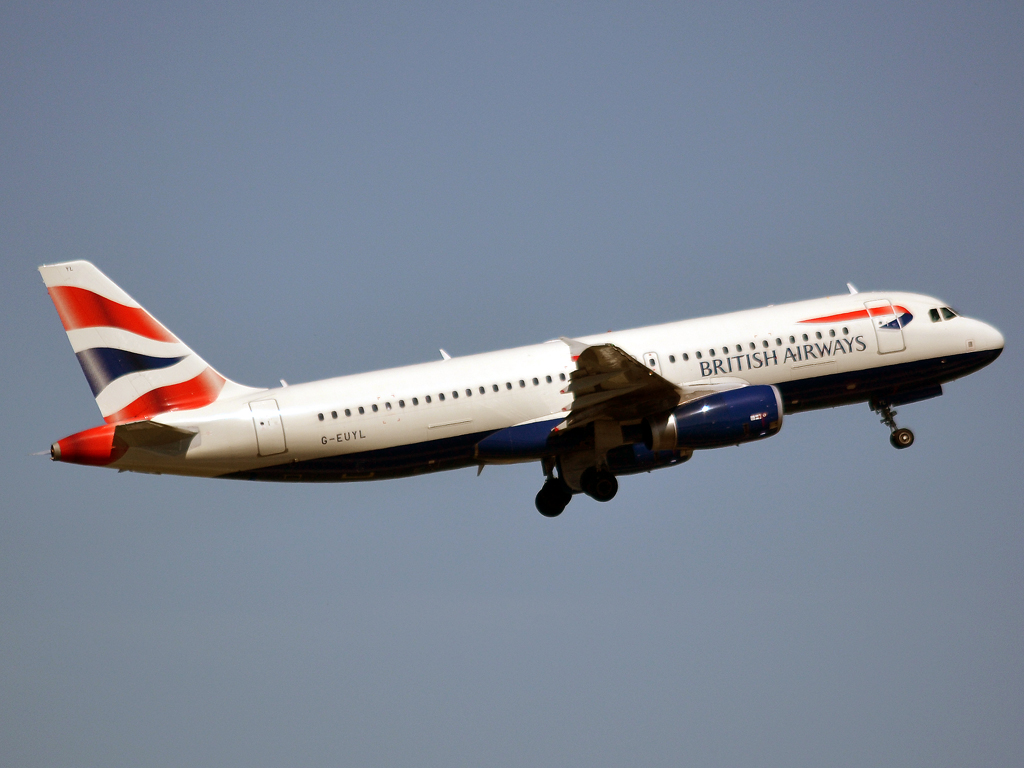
x=79, y=308
x=194, y=393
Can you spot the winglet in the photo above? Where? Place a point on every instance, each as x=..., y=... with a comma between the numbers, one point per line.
x=852, y=287
x=576, y=348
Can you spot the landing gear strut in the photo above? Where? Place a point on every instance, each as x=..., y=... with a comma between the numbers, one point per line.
x=900, y=437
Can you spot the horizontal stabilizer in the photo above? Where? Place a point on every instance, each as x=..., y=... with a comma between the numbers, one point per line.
x=151, y=434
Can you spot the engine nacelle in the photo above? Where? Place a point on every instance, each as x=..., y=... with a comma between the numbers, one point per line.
x=724, y=418
x=633, y=458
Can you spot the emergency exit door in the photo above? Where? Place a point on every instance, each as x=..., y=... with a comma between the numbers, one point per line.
x=651, y=361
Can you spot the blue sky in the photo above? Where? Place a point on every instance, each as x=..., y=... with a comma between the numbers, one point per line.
x=300, y=191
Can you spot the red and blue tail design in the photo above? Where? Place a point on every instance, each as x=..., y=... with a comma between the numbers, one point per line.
x=134, y=365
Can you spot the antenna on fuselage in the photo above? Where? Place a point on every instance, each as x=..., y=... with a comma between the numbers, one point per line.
x=852, y=287
x=444, y=355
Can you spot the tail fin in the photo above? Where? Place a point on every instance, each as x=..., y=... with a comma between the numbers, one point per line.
x=134, y=365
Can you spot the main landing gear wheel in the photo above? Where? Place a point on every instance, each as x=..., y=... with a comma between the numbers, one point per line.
x=599, y=485
x=553, y=497
x=902, y=438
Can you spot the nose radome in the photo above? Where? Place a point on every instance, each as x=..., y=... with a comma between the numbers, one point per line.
x=989, y=337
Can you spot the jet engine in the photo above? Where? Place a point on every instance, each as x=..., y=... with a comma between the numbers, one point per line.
x=723, y=418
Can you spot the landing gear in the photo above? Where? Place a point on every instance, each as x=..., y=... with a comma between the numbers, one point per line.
x=599, y=484
x=901, y=437
x=552, y=497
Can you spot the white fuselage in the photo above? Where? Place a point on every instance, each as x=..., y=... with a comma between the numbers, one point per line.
x=446, y=404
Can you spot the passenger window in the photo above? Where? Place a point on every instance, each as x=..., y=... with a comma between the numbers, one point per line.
x=753, y=345
x=415, y=401
x=320, y=416
x=698, y=355
x=441, y=397
x=712, y=352
x=427, y=398
x=671, y=358
x=561, y=376
x=401, y=403
x=495, y=387
x=846, y=331
x=817, y=334
x=334, y=414
x=831, y=332
x=805, y=337
x=348, y=411
x=361, y=411
x=508, y=385
x=522, y=383
x=455, y=394
x=387, y=406
x=764, y=343
x=469, y=393
x=547, y=379
x=948, y=314
x=482, y=390
x=778, y=342
x=536, y=381
x=725, y=351
x=792, y=339
x=685, y=356
x=374, y=406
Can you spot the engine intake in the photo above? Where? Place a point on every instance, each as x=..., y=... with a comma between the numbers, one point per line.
x=724, y=418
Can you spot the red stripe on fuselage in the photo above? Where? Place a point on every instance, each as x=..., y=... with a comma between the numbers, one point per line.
x=80, y=308
x=859, y=314
x=194, y=393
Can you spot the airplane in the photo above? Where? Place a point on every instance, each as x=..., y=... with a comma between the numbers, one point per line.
x=588, y=409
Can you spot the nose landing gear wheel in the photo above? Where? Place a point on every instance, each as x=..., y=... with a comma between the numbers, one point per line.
x=902, y=438
x=599, y=485
x=899, y=437
x=552, y=498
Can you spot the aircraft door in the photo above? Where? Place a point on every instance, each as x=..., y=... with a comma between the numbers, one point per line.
x=651, y=361
x=266, y=418
x=888, y=332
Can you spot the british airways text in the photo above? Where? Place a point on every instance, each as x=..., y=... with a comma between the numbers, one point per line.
x=765, y=357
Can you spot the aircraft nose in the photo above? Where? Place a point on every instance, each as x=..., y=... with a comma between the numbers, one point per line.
x=991, y=338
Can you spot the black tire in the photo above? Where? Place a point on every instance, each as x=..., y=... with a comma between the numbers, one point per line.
x=902, y=438
x=604, y=487
x=552, y=498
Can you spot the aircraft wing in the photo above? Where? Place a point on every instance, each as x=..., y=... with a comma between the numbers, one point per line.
x=609, y=383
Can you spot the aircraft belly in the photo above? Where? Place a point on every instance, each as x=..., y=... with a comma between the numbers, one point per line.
x=860, y=385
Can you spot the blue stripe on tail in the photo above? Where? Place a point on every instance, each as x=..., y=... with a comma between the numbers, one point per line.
x=103, y=365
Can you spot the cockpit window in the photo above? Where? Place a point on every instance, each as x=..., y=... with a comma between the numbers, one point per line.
x=948, y=314
x=934, y=315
